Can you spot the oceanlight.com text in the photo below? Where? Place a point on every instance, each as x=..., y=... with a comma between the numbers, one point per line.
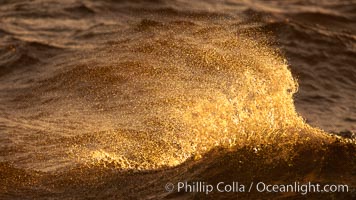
x=222, y=187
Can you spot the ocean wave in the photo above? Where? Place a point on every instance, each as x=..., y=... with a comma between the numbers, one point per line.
x=103, y=180
x=98, y=97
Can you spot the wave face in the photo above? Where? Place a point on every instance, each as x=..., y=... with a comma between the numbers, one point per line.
x=94, y=89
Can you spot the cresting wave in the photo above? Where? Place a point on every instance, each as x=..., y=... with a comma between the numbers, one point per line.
x=93, y=105
x=176, y=91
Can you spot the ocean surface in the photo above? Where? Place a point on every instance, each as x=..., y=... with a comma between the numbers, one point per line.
x=114, y=99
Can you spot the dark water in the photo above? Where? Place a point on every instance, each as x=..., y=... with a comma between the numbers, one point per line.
x=113, y=99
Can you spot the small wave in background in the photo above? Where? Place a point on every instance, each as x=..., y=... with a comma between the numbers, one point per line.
x=113, y=99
